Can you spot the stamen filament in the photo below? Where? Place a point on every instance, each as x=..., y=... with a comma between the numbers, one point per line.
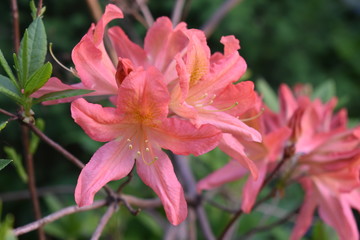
x=72, y=70
x=253, y=117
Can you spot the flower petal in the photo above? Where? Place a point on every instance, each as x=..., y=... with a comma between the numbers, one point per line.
x=160, y=176
x=125, y=48
x=303, y=221
x=162, y=43
x=232, y=147
x=182, y=137
x=92, y=63
x=229, y=124
x=112, y=161
x=143, y=96
x=101, y=124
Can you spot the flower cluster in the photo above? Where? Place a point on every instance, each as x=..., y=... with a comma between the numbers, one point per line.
x=171, y=94
x=316, y=149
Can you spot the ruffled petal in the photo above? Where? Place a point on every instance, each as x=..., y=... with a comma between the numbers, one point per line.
x=229, y=124
x=92, y=63
x=125, y=48
x=162, y=43
x=112, y=161
x=304, y=219
x=232, y=147
x=101, y=124
x=160, y=176
x=231, y=44
x=337, y=213
x=182, y=137
x=252, y=186
x=230, y=172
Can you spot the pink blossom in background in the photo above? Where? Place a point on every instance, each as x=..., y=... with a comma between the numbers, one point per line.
x=136, y=131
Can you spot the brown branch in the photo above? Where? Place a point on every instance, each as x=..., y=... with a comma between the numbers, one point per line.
x=215, y=19
x=16, y=25
x=55, y=145
x=95, y=9
x=271, y=225
x=177, y=12
x=190, y=184
x=43, y=191
x=140, y=202
x=105, y=218
x=31, y=177
x=55, y=216
x=40, y=3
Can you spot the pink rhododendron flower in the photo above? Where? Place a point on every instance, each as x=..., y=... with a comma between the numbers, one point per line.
x=136, y=131
x=263, y=154
x=95, y=67
x=205, y=93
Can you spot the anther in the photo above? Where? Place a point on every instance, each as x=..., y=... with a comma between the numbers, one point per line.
x=147, y=149
x=146, y=141
x=130, y=146
x=138, y=153
x=128, y=140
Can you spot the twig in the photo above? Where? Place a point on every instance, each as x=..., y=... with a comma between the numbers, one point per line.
x=221, y=207
x=40, y=3
x=105, y=218
x=186, y=9
x=55, y=216
x=31, y=177
x=95, y=9
x=271, y=225
x=16, y=28
x=210, y=26
x=190, y=183
x=142, y=203
x=22, y=195
x=55, y=145
x=177, y=12
x=129, y=177
x=146, y=12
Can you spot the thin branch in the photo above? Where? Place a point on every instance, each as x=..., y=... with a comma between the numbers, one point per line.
x=177, y=12
x=221, y=207
x=142, y=203
x=95, y=9
x=40, y=3
x=55, y=145
x=25, y=136
x=271, y=225
x=16, y=26
x=55, y=216
x=182, y=163
x=146, y=12
x=128, y=180
x=22, y=195
x=215, y=19
x=105, y=218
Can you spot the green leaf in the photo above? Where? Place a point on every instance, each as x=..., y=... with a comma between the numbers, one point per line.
x=3, y=125
x=23, y=59
x=38, y=79
x=269, y=96
x=6, y=227
x=4, y=163
x=12, y=154
x=32, y=50
x=8, y=88
x=34, y=141
x=33, y=9
x=325, y=91
x=61, y=94
x=7, y=69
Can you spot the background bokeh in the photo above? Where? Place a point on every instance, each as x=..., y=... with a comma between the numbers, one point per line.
x=283, y=41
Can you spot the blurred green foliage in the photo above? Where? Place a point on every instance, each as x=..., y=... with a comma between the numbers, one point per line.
x=284, y=41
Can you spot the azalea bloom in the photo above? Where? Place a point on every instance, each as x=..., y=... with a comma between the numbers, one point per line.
x=136, y=130
x=205, y=93
x=96, y=69
x=264, y=155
